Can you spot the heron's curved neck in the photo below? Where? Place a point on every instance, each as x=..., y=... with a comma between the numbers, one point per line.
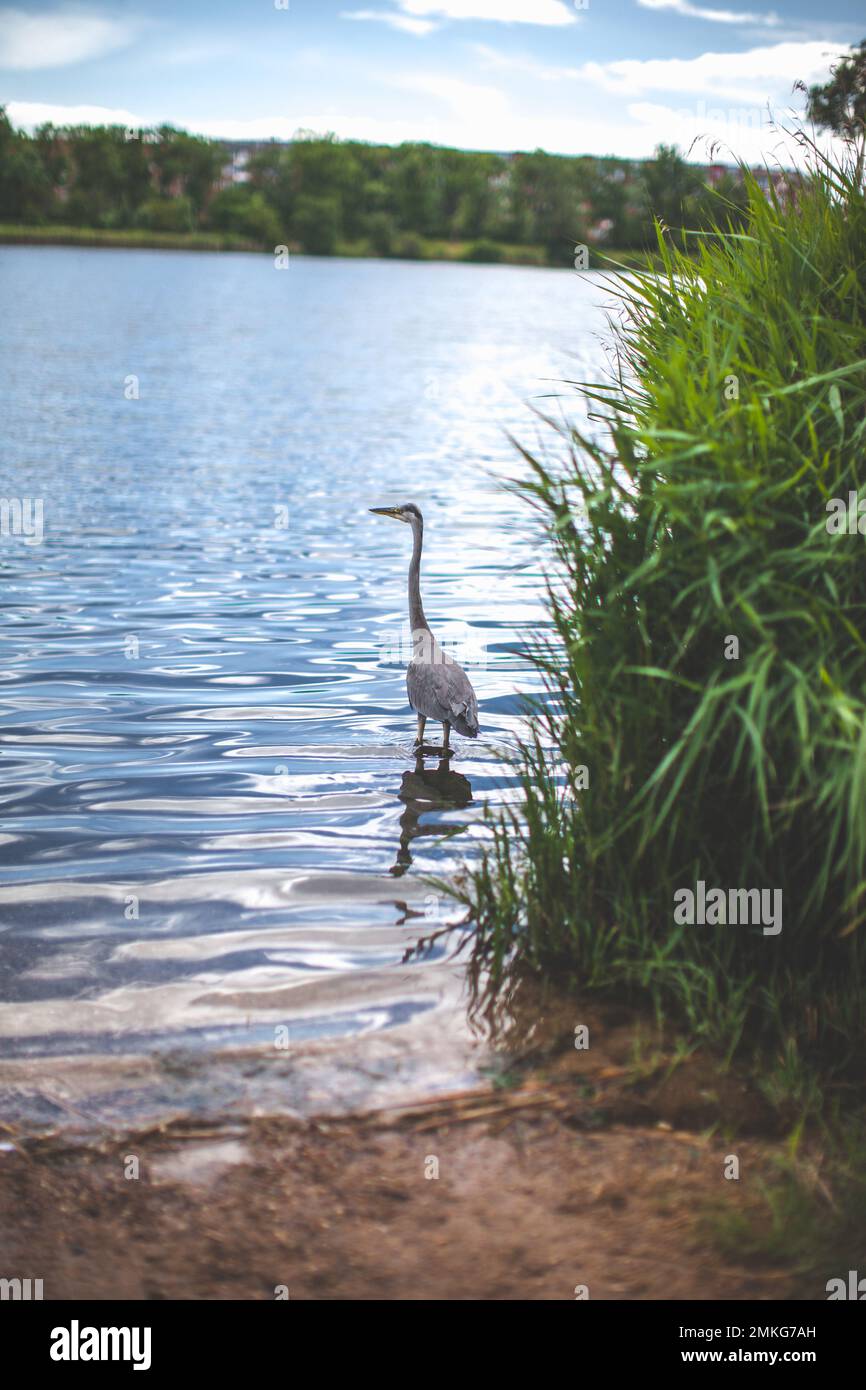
x=416, y=610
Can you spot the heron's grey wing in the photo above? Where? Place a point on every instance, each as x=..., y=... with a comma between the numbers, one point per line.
x=456, y=691
x=415, y=686
x=442, y=691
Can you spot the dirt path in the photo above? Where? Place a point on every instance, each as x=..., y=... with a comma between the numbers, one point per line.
x=531, y=1200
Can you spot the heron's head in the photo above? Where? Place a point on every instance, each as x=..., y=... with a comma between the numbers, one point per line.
x=408, y=513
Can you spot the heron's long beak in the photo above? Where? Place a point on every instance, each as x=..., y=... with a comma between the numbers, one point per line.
x=386, y=511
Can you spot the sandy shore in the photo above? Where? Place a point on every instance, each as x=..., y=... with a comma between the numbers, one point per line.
x=520, y=1192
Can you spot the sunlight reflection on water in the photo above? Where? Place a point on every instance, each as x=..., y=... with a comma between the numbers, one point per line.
x=207, y=827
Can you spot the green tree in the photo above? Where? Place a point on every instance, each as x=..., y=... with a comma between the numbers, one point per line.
x=603, y=187
x=186, y=165
x=166, y=215
x=316, y=224
x=414, y=190
x=108, y=176
x=547, y=186
x=669, y=182
x=51, y=149
x=318, y=189
x=840, y=104
x=326, y=169
x=25, y=188
x=382, y=232
x=245, y=212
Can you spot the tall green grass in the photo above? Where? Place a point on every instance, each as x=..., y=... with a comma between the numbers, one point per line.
x=737, y=409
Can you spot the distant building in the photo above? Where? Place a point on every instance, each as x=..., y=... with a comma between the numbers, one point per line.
x=235, y=169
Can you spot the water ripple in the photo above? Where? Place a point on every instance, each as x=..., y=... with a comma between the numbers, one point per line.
x=213, y=826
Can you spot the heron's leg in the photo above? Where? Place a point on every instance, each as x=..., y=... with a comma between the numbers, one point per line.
x=421, y=722
x=447, y=727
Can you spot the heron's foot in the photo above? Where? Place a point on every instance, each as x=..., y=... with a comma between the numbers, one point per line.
x=430, y=748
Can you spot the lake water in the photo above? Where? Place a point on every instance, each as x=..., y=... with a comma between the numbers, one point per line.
x=213, y=826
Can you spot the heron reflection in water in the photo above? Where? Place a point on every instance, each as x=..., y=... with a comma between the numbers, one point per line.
x=427, y=789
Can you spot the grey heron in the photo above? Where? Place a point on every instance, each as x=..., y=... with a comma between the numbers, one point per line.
x=438, y=687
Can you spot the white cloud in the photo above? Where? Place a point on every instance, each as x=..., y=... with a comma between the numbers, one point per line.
x=757, y=75
x=58, y=39
x=622, y=108
x=199, y=52
x=468, y=101
x=404, y=22
x=27, y=115
x=754, y=76
x=421, y=17
x=546, y=12
x=684, y=7
x=474, y=117
x=708, y=131
x=738, y=133
x=347, y=125
x=492, y=59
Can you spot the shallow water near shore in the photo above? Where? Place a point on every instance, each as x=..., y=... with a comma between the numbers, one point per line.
x=216, y=839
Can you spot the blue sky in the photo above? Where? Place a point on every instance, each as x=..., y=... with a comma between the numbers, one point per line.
x=572, y=76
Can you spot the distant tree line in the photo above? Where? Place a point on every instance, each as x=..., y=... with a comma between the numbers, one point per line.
x=320, y=192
